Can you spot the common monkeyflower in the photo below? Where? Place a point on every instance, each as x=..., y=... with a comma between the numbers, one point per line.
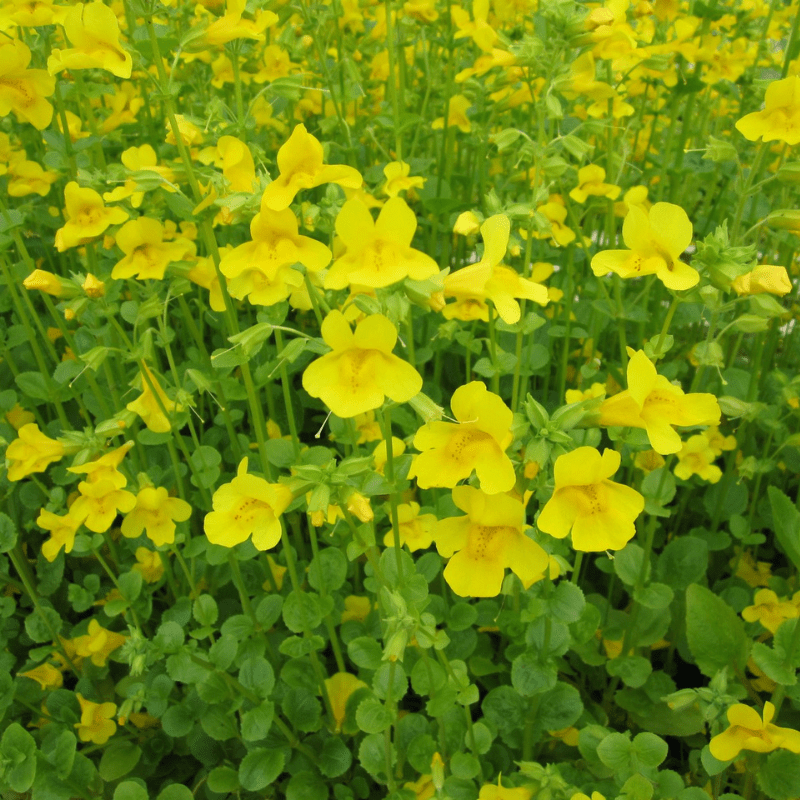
x=764, y=279
x=456, y=114
x=339, y=687
x=653, y=403
x=99, y=503
x=591, y=183
x=656, y=239
x=87, y=217
x=44, y=281
x=486, y=541
x=98, y=643
x=153, y=405
x=233, y=156
x=31, y=452
x=46, y=675
x=247, y=506
x=489, y=279
x=361, y=370
x=96, y=723
x=598, y=512
x=155, y=514
x=28, y=177
x=148, y=564
x=147, y=255
x=478, y=28
x=140, y=158
x=748, y=731
x=399, y=180
x=697, y=458
x=416, y=530
x=492, y=791
x=477, y=441
x=105, y=467
x=262, y=270
x=770, y=610
x=780, y=118
x=24, y=90
x=301, y=167
x=93, y=32
x=62, y=533
x=378, y=254
x=231, y=26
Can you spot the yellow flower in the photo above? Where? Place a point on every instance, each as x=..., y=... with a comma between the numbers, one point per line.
x=147, y=405
x=780, y=119
x=482, y=544
x=591, y=183
x=456, y=113
x=755, y=573
x=467, y=224
x=99, y=503
x=594, y=391
x=147, y=255
x=18, y=417
x=44, y=281
x=247, y=505
x=477, y=28
x=140, y=159
x=28, y=177
x=339, y=688
x=98, y=643
x=648, y=460
x=488, y=278
x=31, y=452
x=149, y=564
x=359, y=506
x=278, y=573
x=423, y=788
x=636, y=196
x=600, y=513
x=764, y=279
x=451, y=451
x=93, y=32
x=697, y=458
x=416, y=530
x=378, y=254
x=105, y=468
x=231, y=26
x=356, y=608
x=398, y=179
x=380, y=456
x=262, y=270
x=46, y=675
x=748, y=731
x=769, y=610
x=87, y=217
x=362, y=369
x=62, y=533
x=155, y=514
x=653, y=403
x=656, y=239
x=555, y=214
x=96, y=724
x=23, y=90
x=717, y=442
x=301, y=167
x=93, y=286
x=236, y=161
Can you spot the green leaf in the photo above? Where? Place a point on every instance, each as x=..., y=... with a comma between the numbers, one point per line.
x=530, y=677
x=257, y=675
x=656, y=595
x=118, y=759
x=130, y=790
x=615, y=751
x=335, y=758
x=205, y=610
x=175, y=791
x=223, y=780
x=650, y=749
x=303, y=709
x=18, y=762
x=683, y=561
x=177, y=721
x=559, y=708
x=628, y=564
x=257, y=722
x=634, y=670
x=327, y=570
x=306, y=785
x=714, y=631
x=786, y=522
x=301, y=611
x=372, y=716
x=779, y=775
x=365, y=652
x=567, y=602
x=260, y=768
x=8, y=533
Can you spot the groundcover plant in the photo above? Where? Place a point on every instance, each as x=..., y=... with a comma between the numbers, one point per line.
x=399, y=399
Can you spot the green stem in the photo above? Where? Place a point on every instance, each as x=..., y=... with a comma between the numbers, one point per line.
x=390, y=477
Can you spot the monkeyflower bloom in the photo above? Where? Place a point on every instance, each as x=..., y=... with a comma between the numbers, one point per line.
x=31, y=452
x=770, y=610
x=696, y=457
x=105, y=468
x=301, y=167
x=653, y=403
x=555, y=213
x=398, y=179
x=491, y=791
x=416, y=530
x=87, y=217
x=380, y=455
x=484, y=542
x=378, y=254
x=28, y=177
x=24, y=90
x=155, y=514
x=656, y=239
x=44, y=281
x=98, y=643
x=261, y=270
x=764, y=279
x=147, y=255
x=233, y=156
x=62, y=533
x=46, y=675
x=154, y=406
x=478, y=441
x=477, y=28
x=18, y=417
x=456, y=113
x=93, y=32
x=339, y=688
x=148, y=564
x=362, y=370
x=247, y=505
x=99, y=503
x=780, y=119
x=591, y=184
x=231, y=26
x=748, y=731
x=139, y=159
x=489, y=279
x=600, y=513
x=96, y=723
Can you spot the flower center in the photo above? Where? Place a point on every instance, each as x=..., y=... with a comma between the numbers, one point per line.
x=464, y=442
x=590, y=499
